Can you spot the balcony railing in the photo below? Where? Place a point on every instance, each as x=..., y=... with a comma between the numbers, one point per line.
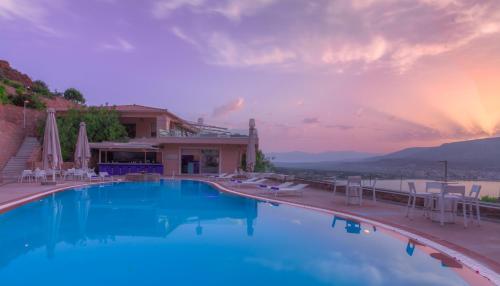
x=202, y=133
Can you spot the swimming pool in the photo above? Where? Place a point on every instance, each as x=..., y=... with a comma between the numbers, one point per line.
x=188, y=233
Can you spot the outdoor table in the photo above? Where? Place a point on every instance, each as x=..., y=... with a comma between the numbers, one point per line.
x=444, y=204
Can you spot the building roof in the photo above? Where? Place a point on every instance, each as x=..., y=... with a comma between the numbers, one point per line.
x=137, y=108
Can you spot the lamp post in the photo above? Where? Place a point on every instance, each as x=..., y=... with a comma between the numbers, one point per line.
x=24, y=113
x=445, y=162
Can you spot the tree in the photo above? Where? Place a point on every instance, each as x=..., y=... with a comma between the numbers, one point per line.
x=262, y=163
x=41, y=88
x=74, y=95
x=102, y=125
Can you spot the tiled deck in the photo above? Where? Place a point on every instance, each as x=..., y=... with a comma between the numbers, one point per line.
x=478, y=242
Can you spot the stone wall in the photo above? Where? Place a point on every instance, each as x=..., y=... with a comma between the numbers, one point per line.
x=12, y=132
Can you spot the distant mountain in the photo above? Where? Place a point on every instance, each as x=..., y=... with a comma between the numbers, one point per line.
x=471, y=151
x=332, y=156
x=473, y=159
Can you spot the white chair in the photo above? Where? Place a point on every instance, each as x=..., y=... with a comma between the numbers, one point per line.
x=299, y=188
x=334, y=187
x=456, y=194
x=25, y=174
x=371, y=186
x=69, y=172
x=104, y=175
x=78, y=174
x=92, y=176
x=473, y=199
x=40, y=175
x=412, y=198
x=432, y=190
x=354, y=190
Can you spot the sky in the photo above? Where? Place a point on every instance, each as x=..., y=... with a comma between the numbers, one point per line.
x=326, y=75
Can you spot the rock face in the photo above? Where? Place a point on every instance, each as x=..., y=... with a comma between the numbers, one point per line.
x=6, y=71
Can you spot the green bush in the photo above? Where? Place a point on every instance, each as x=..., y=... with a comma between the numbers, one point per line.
x=34, y=101
x=489, y=199
x=262, y=164
x=41, y=88
x=13, y=83
x=102, y=125
x=74, y=95
x=3, y=95
x=20, y=90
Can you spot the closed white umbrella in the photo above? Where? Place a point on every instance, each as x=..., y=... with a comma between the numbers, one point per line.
x=82, y=150
x=252, y=146
x=51, y=156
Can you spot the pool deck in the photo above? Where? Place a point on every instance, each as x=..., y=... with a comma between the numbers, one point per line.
x=481, y=243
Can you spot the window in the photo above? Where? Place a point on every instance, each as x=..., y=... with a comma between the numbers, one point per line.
x=153, y=129
x=131, y=129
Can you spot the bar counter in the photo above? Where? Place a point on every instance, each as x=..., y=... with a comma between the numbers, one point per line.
x=120, y=169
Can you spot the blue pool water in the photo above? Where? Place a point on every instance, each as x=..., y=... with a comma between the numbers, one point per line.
x=188, y=233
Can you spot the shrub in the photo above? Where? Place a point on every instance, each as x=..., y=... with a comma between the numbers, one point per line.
x=74, y=95
x=34, y=101
x=3, y=96
x=102, y=125
x=262, y=163
x=41, y=88
x=489, y=199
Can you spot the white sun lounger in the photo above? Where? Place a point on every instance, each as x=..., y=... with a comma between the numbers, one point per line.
x=299, y=188
x=283, y=185
x=253, y=182
x=217, y=175
x=228, y=176
x=245, y=181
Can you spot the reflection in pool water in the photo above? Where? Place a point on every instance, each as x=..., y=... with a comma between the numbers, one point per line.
x=187, y=233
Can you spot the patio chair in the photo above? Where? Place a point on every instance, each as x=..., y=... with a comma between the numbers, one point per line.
x=334, y=186
x=412, y=198
x=104, y=175
x=354, y=190
x=371, y=186
x=25, y=174
x=69, y=172
x=79, y=174
x=429, y=201
x=299, y=188
x=473, y=199
x=40, y=175
x=92, y=176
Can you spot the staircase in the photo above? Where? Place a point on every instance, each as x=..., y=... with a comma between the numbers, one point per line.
x=17, y=164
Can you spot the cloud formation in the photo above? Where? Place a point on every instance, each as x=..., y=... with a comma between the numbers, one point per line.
x=358, y=34
x=228, y=108
x=119, y=44
x=34, y=12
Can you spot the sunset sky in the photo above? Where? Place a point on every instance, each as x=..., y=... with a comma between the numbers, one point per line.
x=361, y=75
